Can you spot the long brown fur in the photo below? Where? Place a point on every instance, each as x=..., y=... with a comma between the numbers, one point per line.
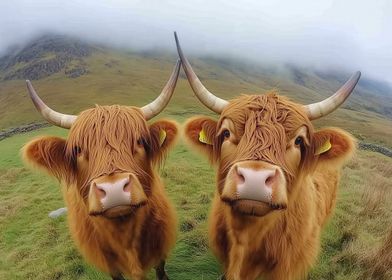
x=281, y=244
x=104, y=140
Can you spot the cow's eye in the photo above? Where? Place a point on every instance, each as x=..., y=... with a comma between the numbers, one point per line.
x=299, y=141
x=226, y=134
x=77, y=150
x=140, y=141
x=143, y=144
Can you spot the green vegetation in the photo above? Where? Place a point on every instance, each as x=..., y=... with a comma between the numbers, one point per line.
x=33, y=246
x=118, y=77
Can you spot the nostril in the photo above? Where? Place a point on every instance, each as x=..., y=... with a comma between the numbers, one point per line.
x=240, y=176
x=127, y=187
x=241, y=179
x=270, y=179
x=100, y=192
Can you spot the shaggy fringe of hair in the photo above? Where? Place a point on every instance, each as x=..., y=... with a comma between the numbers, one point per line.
x=265, y=123
x=107, y=136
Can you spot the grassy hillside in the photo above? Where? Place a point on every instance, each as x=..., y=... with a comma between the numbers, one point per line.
x=120, y=77
x=356, y=244
x=33, y=246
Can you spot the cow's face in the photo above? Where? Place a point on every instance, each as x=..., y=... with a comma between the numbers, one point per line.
x=110, y=151
x=263, y=146
x=108, y=157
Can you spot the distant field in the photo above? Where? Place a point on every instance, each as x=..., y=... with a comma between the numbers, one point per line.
x=33, y=246
x=116, y=77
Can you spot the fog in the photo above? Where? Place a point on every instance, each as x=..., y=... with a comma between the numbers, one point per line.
x=350, y=35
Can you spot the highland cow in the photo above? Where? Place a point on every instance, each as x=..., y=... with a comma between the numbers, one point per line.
x=277, y=178
x=118, y=212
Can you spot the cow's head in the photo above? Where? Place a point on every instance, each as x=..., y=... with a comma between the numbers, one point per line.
x=110, y=152
x=265, y=145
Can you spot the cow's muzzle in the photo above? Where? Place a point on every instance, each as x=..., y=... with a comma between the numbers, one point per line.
x=255, y=188
x=114, y=195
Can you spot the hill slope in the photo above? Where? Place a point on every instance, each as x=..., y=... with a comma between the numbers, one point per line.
x=45, y=56
x=74, y=75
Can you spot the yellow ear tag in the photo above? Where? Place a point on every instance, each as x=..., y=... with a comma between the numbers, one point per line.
x=203, y=138
x=162, y=136
x=324, y=148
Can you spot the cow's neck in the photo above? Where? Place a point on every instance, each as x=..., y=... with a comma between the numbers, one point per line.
x=271, y=231
x=124, y=231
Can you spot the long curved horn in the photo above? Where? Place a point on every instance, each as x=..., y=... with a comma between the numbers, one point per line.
x=211, y=101
x=56, y=118
x=323, y=108
x=155, y=107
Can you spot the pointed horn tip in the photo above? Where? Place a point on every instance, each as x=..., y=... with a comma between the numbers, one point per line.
x=357, y=74
x=179, y=50
x=355, y=77
x=177, y=41
x=29, y=86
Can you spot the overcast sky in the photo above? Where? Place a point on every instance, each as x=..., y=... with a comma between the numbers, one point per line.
x=349, y=34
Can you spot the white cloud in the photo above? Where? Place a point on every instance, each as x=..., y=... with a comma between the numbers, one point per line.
x=353, y=34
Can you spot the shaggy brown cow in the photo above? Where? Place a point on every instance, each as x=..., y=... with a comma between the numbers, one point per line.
x=118, y=212
x=276, y=182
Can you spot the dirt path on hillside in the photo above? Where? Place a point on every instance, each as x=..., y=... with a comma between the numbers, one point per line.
x=34, y=126
x=21, y=129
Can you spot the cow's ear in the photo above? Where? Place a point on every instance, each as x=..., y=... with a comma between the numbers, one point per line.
x=333, y=145
x=200, y=132
x=48, y=153
x=163, y=136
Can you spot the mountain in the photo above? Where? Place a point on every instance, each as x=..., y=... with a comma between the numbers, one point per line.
x=45, y=56
x=71, y=75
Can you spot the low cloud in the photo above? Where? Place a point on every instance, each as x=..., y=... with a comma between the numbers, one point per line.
x=350, y=35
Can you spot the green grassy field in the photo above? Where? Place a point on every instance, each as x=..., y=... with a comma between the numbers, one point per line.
x=33, y=246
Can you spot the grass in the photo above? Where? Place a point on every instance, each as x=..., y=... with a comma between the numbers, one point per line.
x=356, y=244
x=361, y=222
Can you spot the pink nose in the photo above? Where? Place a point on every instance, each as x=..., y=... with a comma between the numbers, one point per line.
x=256, y=184
x=114, y=194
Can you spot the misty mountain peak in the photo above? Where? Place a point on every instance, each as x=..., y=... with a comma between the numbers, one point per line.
x=44, y=56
